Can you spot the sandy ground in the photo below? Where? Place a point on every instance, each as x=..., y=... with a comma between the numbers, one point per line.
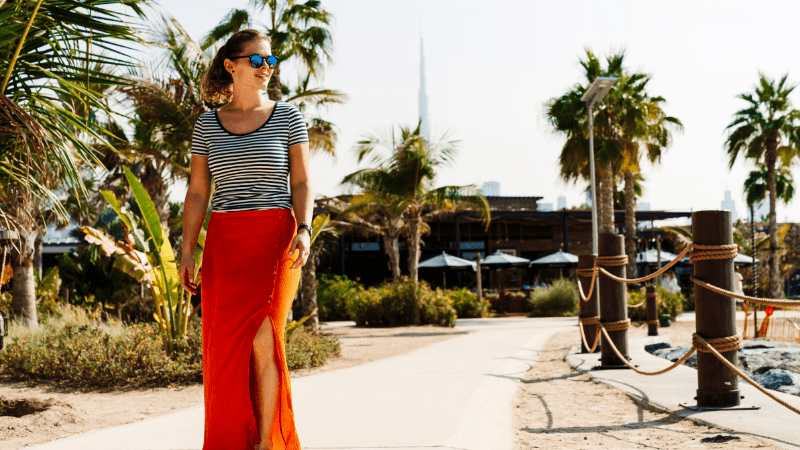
x=557, y=407
x=65, y=413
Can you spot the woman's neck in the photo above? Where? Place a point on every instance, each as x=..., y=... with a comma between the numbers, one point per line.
x=247, y=101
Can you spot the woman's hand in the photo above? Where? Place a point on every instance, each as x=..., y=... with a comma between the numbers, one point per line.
x=186, y=273
x=301, y=243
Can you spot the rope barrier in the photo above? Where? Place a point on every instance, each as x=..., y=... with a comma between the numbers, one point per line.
x=636, y=305
x=619, y=325
x=589, y=321
x=625, y=360
x=611, y=261
x=747, y=298
x=703, y=252
x=585, y=273
x=652, y=322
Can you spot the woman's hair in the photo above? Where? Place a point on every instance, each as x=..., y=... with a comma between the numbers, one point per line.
x=218, y=82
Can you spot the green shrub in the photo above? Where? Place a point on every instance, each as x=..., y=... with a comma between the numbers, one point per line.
x=394, y=304
x=305, y=350
x=75, y=349
x=333, y=292
x=668, y=303
x=466, y=303
x=437, y=308
x=559, y=299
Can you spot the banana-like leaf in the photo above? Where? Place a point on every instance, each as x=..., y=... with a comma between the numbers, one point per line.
x=295, y=324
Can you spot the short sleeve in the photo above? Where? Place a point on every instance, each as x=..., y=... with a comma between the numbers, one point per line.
x=199, y=143
x=298, y=131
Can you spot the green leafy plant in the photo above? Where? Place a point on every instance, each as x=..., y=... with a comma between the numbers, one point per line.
x=560, y=299
x=466, y=303
x=668, y=303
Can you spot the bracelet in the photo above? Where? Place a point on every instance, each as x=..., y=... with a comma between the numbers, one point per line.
x=306, y=226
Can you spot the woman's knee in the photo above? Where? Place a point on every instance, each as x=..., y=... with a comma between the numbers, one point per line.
x=264, y=343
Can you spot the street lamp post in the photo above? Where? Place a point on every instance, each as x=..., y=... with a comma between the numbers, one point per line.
x=597, y=90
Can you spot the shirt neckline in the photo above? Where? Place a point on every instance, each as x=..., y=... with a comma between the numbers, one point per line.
x=219, y=122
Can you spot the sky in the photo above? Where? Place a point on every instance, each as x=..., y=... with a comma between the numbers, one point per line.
x=491, y=67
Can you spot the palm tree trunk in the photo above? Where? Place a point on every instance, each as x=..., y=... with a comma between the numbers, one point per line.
x=274, y=86
x=630, y=223
x=775, y=286
x=393, y=252
x=23, y=291
x=37, y=253
x=606, y=199
x=308, y=291
x=414, y=238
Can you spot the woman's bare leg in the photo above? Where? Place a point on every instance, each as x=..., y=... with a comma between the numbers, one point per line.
x=267, y=380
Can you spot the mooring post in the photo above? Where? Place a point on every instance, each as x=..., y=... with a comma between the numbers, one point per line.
x=717, y=386
x=613, y=302
x=651, y=296
x=591, y=307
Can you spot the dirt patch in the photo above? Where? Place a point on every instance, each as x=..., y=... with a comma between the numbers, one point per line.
x=558, y=407
x=58, y=413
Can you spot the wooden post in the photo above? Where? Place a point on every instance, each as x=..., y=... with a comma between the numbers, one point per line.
x=591, y=307
x=613, y=302
x=717, y=386
x=651, y=296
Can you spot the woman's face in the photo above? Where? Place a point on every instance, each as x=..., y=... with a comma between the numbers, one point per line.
x=244, y=75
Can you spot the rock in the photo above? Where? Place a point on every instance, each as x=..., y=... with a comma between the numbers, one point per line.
x=651, y=348
x=777, y=378
x=719, y=439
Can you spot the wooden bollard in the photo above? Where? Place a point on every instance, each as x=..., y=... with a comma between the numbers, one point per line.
x=651, y=296
x=613, y=302
x=591, y=307
x=715, y=314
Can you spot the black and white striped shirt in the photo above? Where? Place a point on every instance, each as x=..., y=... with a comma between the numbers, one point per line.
x=250, y=170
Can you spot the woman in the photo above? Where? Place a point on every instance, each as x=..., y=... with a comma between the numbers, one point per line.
x=254, y=246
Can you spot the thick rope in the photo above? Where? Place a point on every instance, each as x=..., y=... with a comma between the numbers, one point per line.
x=722, y=345
x=650, y=294
x=619, y=325
x=625, y=360
x=611, y=261
x=696, y=339
x=652, y=322
x=703, y=252
x=589, y=321
x=652, y=275
x=747, y=298
x=636, y=305
x=585, y=273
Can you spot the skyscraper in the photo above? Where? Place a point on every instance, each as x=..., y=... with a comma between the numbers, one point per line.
x=424, y=129
x=730, y=204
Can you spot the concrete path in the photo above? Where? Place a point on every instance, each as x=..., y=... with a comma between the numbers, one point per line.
x=454, y=394
x=773, y=422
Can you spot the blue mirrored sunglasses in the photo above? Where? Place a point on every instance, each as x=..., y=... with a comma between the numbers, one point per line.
x=257, y=60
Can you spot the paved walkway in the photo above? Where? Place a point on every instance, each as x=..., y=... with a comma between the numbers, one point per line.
x=454, y=394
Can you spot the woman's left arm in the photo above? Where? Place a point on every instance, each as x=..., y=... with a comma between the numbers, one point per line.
x=302, y=200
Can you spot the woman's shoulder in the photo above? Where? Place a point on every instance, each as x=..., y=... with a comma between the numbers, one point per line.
x=205, y=116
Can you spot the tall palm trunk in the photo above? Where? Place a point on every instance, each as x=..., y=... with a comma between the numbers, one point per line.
x=606, y=199
x=274, y=86
x=414, y=238
x=393, y=252
x=630, y=223
x=308, y=291
x=775, y=287
x=23, y=292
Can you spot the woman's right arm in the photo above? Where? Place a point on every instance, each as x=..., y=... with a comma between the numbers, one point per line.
x=195, y=206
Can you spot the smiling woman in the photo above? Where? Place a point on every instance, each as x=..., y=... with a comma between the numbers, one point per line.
x=254, y=247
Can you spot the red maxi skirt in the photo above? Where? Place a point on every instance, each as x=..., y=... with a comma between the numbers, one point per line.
x=246, y=278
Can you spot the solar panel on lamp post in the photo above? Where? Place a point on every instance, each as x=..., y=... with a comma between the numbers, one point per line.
x=596, y=91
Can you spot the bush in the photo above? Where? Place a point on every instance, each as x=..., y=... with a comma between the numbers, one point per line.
x=466, y=303
x=75, y=349
x=560, y=299
x=394, y=304
x=305, y=350
x=668, y=303
x=333, y=293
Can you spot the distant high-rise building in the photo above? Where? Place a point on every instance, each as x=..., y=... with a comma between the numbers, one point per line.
x=491, y=188
x=546, y=207
x=730, y=205
x=562, y=202
x=644, y=206
x=424, y=128
x=589, y=197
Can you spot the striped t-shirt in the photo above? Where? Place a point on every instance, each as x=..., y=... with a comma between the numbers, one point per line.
x=250, y=170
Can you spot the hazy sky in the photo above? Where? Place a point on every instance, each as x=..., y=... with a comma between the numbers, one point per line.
x=492, y=65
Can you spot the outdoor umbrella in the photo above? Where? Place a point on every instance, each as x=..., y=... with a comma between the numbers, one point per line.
x=499, y=260
x=445, y=261
x=651, y=257
x=558, y=259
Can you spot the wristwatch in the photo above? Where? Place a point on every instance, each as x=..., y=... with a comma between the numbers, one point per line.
x=306, y=226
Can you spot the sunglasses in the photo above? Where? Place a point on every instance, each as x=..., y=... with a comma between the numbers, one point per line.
x=257, y=60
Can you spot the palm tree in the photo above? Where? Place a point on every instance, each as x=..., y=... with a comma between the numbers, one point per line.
x=767, y=129
x=297, y=30
x=50, y=113
x=628, y=123
x=404, y=166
